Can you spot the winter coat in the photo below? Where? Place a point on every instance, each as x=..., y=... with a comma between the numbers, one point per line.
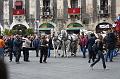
x=90, y=43
x=26, y=43
x=83, y=41
x=17, y=44
x=36, y=43
x=110, y=41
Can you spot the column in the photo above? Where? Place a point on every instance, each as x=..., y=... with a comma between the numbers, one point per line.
x=69, y=4
x=6, y=14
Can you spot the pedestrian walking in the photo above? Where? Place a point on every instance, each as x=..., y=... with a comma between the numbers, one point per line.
x=2, y=45
x=91, y=41
x=83, y=44
x=98, y=49
x=44, y=49
x=49, y=45
x=17, y=45
x=110, y=43
x=36, y=45
x=26, y=46
x=9, y=44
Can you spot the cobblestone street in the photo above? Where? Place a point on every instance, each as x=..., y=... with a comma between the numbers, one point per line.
x=62, y=68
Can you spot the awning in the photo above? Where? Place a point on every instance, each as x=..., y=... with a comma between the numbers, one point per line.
x=74, y=25
x=44, y=29
x=72, y=28
x=46, y=25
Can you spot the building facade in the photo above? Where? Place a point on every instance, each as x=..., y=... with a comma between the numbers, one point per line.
x=42, y=15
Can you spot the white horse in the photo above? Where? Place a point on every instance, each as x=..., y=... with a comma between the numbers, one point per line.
x=65, y=43
x=73, y=44
x=56, y=42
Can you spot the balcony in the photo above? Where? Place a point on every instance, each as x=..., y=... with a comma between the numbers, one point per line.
x=18, y=11
x=73, y=11
x=47, y=12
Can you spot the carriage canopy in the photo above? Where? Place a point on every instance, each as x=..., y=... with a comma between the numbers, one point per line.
x=104, y=26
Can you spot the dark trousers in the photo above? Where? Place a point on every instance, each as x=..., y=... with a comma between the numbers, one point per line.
x=109, y=54
x=83, y=49
x=49, y=52
x=44, y=52
x=92, y=55
x=26, y=53
x=100, y=56
x=37, y=51
x=10, y=50
x=17, y=54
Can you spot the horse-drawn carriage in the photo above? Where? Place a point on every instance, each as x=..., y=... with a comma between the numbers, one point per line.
x=66, y=41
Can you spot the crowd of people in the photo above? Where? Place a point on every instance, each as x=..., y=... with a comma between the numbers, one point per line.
x=15, y=44
x=96, y=45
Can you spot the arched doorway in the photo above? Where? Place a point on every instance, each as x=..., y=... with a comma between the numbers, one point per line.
x=74, y=28
x=19, y=29
x=104, y=26
x=45, y=28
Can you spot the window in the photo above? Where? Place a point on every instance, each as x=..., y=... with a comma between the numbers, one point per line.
x=18, y=4
x=46, y=8
x=18, y=7
x=46, y=3
x=104, y=6
x=74, y=3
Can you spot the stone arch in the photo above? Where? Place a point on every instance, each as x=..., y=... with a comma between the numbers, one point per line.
x=17, y=23
x=19, y=29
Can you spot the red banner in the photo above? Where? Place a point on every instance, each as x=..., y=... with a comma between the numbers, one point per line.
x=18, y=11
x=73, y=10
x=18, y=3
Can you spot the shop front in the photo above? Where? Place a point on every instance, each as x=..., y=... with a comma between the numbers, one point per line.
x=45, y=28
x=74, y=28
